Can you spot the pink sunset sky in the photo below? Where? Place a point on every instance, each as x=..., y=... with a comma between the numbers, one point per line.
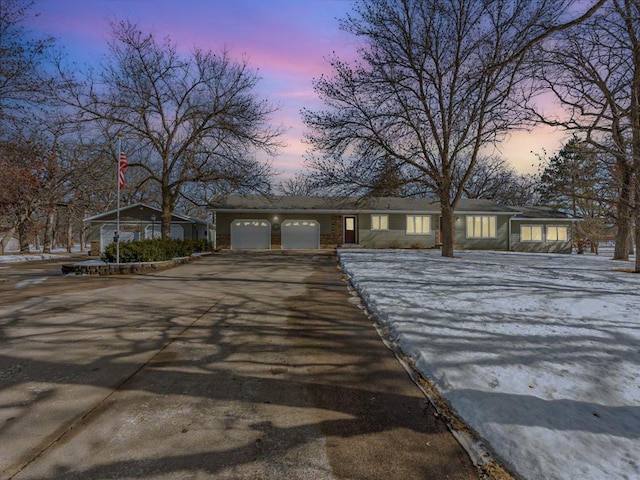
x=287, y=40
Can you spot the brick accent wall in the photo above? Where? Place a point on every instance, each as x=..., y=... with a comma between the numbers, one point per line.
x=223, y=241
x=336, y=230
x=276, y=240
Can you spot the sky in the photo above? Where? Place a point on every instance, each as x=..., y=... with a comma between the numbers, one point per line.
x=288, y=41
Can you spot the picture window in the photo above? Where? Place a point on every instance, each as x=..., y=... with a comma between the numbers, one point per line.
x=379, y=222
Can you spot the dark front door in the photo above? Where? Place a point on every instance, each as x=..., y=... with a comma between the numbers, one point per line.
x=350, y=229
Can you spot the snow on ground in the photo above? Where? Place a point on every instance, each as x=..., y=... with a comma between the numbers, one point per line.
x=35, y=255
x=539, y=354
x=27, y=257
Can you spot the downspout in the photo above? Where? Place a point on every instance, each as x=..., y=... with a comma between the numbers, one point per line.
x=509, y=236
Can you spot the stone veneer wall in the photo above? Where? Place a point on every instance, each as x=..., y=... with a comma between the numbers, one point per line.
x=126, y=268
x=336, y=237
x=223, y=241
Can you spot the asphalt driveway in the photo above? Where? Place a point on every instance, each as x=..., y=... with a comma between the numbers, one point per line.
x=240, y=365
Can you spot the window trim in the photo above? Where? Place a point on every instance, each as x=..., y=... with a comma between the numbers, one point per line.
x=532, y=240
x=423, y=232
x=566, y=229
x=482, y=237
x=381, y=216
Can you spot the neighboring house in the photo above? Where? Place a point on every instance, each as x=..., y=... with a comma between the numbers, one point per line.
x=321, y=222
x=138, y=222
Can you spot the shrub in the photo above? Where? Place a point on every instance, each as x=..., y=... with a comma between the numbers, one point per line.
x=155, y=250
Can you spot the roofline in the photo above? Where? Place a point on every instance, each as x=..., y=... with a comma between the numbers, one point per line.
x=547, y=219
x=352, y=211
x=140, y=204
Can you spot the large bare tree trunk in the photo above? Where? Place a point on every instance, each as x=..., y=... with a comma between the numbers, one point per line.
x=635, y=129
x=47, y=241
x=623, y=214
x=83, y=233
x=69, y=233
x=23, y=239
x=636, y=234
x=447, y=229
x=168, y=203
x=636, y=214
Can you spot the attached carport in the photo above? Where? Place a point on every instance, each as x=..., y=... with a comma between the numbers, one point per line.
x=300, y=234
x=250, y=234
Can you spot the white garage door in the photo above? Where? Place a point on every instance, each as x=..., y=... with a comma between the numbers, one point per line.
x=250, y=234
x=300, y=234
x=107, y=232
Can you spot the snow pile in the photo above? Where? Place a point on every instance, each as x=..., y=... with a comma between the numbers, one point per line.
x=539, y=354
x=27, y=257
x=35, y=255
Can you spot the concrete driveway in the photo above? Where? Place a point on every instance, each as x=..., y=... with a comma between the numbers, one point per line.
x=237, y=366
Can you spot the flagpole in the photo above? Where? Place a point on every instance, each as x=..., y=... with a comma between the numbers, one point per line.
x=118, y=201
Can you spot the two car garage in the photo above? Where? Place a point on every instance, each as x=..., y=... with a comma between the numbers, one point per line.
x=257, y=234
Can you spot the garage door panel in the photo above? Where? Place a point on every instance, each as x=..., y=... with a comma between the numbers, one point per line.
x=250, y=234
x=300, y=234
x=107, y=233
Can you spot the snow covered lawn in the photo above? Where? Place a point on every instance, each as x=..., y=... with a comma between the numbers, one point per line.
x=539, y=354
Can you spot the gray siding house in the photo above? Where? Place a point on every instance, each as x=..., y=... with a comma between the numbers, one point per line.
x=541, y=230
x=242, y=222
x=139, y=222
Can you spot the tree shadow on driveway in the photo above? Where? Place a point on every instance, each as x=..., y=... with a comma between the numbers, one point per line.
x=198, y=373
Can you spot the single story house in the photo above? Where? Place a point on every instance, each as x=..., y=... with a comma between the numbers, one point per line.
x=259, y=222
x=138, y=222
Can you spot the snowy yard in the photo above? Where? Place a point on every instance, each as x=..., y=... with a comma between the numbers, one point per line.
x=539, y=354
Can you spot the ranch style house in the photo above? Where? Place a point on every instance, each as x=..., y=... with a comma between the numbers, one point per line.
x=290, y=222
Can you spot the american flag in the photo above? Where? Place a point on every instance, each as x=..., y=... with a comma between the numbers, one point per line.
x=121, y=166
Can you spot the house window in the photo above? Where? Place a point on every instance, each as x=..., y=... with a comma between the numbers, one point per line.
x=418, y=224
x=350, y=223
x=531, y=233
x=379, y=222
x=557, y=233
x=481, y=226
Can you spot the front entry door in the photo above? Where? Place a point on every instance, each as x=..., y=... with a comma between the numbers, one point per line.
x=350, y=229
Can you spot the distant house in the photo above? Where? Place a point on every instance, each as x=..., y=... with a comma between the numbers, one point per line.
x=258, y=222
x=138, y=222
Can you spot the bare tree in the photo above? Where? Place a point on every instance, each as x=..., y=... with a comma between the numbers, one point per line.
x=594, y=71
x=25, y=170
x=183, y=120
x=438, y=81
x=494, y=179
x=22, y=109
x=20, y=57
x=298, y=185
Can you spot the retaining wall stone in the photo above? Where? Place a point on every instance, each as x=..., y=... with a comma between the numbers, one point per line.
x=126, y=268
